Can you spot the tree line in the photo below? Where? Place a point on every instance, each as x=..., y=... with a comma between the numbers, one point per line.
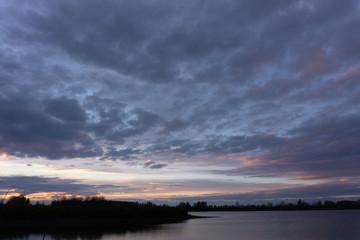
x=100, y=201
x=92, y=213
x=299, y=205
x=90, y=207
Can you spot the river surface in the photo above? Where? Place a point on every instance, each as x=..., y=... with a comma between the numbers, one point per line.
x=272, y=225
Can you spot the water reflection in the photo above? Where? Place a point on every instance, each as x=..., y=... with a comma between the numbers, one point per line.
x=293, y=225
x=61, y=234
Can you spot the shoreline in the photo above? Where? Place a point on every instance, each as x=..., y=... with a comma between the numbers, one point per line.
x=79, y=222
x=89, y=223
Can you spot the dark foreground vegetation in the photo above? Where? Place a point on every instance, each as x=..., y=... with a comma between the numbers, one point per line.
x=95, y=214
x=90, y=214
x=300, y=205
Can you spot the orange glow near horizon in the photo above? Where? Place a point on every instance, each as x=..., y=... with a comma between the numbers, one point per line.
x=146, y=194
x=44, y=196
x=48, y=196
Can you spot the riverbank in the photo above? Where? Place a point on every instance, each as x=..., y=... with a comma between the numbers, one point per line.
x=84, y=226
x=94, y=214
x=79, y=223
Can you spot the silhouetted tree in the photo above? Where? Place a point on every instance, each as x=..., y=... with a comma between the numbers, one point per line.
x=95, y=198
x=200, y=206
x=329, y=205
x=20, y=200
x=63, y=201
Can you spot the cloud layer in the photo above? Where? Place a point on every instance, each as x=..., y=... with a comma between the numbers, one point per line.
x=265, y=88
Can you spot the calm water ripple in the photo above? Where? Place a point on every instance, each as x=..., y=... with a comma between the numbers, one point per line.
x=238, y=225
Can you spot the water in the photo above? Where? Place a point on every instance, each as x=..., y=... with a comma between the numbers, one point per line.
x=239, y=225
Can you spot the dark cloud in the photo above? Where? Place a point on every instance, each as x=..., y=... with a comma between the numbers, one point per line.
x=119, y=125
x=321, y=148
x=66, y=110
x=31, y=185
x=110, y=119
x=154, y=165
x=27, y=130
x=239, y=144
x=172, y=126
x=179, y=146
x=124, y=154
x=158, y=165
x=158, y=41
x=219, y=144
x=60, y=128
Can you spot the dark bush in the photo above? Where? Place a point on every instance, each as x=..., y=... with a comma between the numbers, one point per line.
x=20, y=200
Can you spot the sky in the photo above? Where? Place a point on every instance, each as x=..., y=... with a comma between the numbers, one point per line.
x=168, y=101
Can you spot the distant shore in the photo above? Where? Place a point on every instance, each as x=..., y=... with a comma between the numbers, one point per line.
x=300, y=205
